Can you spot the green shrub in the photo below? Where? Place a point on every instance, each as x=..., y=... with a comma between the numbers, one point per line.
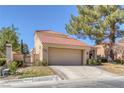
x=44, y=63
x=2, y=61
x=19, y=63
x=40, y=63
x=99, y=61
x=103, y=59
x=37, y=63
x=12, y=67
x=88, y=61
x=94, y=62
x=122, y=61
x=118, y=61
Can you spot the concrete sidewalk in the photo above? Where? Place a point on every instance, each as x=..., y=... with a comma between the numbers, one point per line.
x=98, y=83
x=30, y=80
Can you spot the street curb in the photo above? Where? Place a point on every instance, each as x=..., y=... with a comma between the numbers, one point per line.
x=32, y=79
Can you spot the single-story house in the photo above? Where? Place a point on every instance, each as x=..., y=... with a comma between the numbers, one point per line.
x=59, y=49
x=118, y=49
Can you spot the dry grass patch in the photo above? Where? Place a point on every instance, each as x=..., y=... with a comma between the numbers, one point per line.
x=113, y=68
x=32, y=71
x=35, y=71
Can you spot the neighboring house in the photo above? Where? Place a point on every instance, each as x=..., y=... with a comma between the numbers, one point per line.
x=59, y=49
x=119, y=47
x=118, y=50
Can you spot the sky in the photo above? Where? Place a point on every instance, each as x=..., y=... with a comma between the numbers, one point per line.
x=28, y=19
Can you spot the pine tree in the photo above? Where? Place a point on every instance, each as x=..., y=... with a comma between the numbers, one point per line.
x=98, y=23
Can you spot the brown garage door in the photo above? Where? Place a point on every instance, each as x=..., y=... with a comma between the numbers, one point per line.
x=63, y=56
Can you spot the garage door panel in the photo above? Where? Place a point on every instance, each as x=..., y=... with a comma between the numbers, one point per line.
x=62, y=56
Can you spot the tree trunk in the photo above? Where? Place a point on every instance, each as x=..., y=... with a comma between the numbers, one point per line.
x=23, y=60
x=111, y=52
x=112, y=42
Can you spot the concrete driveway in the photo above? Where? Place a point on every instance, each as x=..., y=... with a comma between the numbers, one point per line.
x=81, y=72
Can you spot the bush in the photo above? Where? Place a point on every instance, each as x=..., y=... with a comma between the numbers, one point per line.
x=117, y=61
x=2, y=61
x=44, y=63
x=19, y=63
x=122, y=61
x=37, y=63
x=94, y=62
x=40, y=63
x=103, y=59
x=99, y=61
x=12, y=67
x=88, y=61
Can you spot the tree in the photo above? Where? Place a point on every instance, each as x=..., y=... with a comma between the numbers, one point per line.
x=24, y=51
x=86, y=24
x=9, y=35
x=24, y=48
x=98, y=23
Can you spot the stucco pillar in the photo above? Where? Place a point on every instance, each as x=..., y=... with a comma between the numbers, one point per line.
x=85, y=56
x=9, y=55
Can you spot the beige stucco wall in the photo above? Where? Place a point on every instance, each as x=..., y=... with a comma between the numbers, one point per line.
x=100, y=50
x=34, y=57
x=38, y=46
x=85, y=56
x=45, y=52
x=120, y=56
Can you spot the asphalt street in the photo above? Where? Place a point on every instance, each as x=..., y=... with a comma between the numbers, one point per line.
x=77, y=83
x=87, y=84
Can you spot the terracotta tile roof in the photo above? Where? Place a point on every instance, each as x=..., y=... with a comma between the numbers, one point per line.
x=48, y=36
